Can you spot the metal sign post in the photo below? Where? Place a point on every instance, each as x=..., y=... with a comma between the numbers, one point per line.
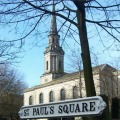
x=74, y=107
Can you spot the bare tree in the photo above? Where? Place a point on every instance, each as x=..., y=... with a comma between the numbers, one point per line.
x=10, y=106
x=107, y=86
x=11, y=82
x=25, y=17
x=11, y=90
x=75, y=65
x=115, y=62
x=107, y=83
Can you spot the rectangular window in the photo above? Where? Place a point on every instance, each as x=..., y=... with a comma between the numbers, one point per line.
x=47, y=65
x=59, y=66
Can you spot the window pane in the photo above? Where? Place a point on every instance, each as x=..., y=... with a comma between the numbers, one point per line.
x=59, y=65
x=41, y=98
x=30, y=100
x=62, y=94
x=51, y=96
x=47, y=65
x=75, y=92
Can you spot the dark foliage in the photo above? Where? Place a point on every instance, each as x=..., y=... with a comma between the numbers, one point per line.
x=115, y=110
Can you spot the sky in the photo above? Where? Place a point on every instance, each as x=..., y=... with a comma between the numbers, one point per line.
x=32, y=63
x=32, y=66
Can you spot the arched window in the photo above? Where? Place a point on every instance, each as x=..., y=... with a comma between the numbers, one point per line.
x=41, y=98
x=51, y=99
x=62, y=94
x=75, y=92
x=30, y=100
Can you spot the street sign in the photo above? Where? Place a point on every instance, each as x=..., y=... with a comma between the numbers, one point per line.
x=74, y=107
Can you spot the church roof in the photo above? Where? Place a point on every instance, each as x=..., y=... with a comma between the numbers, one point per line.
x=72, y=76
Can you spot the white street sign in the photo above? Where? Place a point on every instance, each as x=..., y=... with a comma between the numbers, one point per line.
x=74, y=107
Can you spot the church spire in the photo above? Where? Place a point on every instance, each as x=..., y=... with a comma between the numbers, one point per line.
x=53, y=28
x=54, y=54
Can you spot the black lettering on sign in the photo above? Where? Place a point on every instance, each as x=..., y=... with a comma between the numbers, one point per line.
x=51, y=109
x=65, y=109
x=92, y=106
x=77, y=109
x=46, y=112
x=37, y=111
x=71, y=108
x=26, y=112
x=42, y=110
x=34, y=111
x=84, y=107
x=60, y=109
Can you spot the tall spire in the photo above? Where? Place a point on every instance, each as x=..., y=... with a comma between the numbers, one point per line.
x=53, y=28
x=53, y=54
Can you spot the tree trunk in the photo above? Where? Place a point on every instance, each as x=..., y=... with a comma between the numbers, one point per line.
x=89, y=83
x=88, y=76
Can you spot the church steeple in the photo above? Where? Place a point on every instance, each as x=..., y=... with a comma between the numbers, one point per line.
x=53, y=27
x=54, y=54
x=53, y=34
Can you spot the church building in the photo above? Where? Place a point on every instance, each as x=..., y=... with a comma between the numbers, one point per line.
x=56, y=85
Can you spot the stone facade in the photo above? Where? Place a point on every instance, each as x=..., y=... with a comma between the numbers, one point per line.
x=103, y=85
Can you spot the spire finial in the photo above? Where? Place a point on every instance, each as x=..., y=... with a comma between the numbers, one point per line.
x=53, y=28
x=53, y=7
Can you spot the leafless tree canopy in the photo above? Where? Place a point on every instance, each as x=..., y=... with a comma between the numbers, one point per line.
x=11, y=82
x=23, y=19
x=11, y=91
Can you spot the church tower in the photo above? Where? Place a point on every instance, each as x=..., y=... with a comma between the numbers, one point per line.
x=53, y=55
